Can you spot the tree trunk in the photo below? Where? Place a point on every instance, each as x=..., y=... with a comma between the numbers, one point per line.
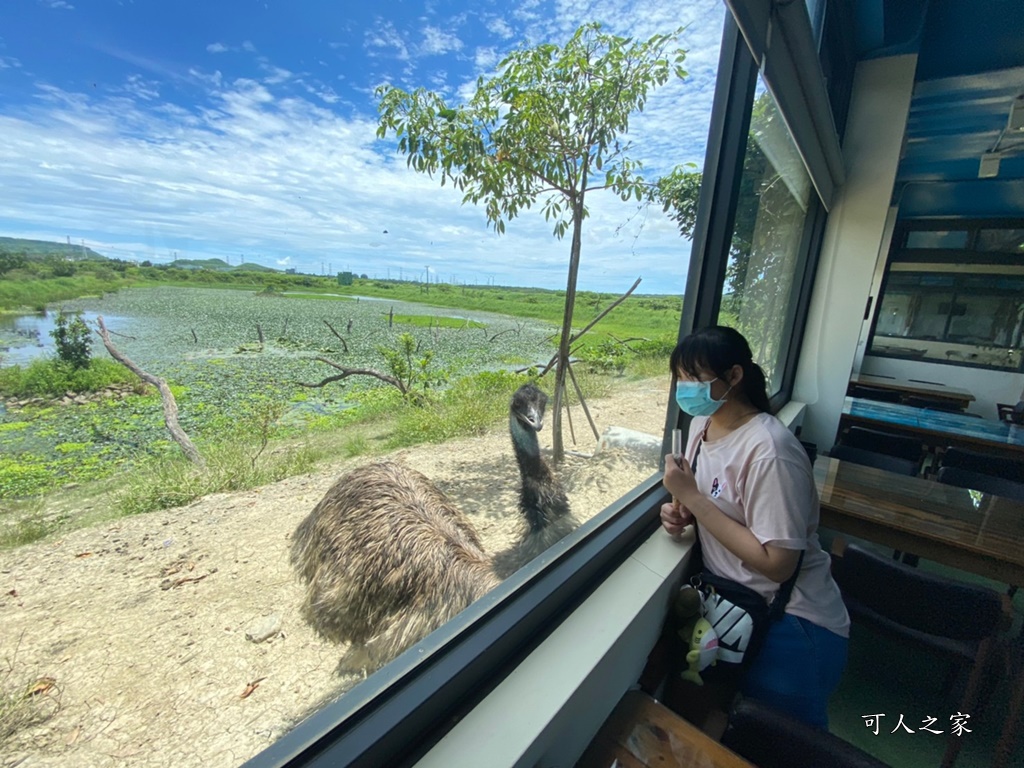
x=558, y=445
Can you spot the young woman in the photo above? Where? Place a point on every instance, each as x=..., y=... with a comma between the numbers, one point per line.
x=756, y=508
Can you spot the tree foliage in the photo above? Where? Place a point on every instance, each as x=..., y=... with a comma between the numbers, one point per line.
x=678, y=193
x=72, y=339
x=547, y=127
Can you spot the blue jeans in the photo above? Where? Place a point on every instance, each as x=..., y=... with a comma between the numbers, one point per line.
x=798, y=668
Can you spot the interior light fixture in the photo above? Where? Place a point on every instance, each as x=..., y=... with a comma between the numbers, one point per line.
x=989, y=167
x=1016, y=122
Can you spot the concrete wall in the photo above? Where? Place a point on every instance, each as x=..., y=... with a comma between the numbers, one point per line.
x=855, y=240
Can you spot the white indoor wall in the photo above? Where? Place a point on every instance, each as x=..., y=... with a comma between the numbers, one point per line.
x=854, y=241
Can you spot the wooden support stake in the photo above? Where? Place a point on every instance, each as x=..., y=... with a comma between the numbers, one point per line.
x=583, y=403
x=568, y=416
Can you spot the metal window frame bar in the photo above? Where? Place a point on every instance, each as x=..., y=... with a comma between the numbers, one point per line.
x=719, y=193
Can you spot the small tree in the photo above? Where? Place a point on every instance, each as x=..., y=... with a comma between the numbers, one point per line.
x=547, y=125
x=10, y=260
x=72, y=338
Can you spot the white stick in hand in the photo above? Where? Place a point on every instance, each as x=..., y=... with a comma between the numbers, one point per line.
x=677, y=454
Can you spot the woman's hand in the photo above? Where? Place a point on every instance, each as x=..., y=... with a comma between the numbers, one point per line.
x=675, y=518
x=679, y=481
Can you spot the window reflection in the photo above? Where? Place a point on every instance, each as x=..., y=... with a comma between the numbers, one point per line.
x=775, y=193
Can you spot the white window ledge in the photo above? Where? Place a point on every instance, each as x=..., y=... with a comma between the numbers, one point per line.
x=546, y=712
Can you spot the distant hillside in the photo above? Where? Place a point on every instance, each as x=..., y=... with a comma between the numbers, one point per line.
x=252, y=267
x=219, y=265
x=41, y=249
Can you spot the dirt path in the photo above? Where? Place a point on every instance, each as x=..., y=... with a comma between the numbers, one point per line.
x=140, y=627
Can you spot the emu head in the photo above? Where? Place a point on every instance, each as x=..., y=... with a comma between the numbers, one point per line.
x=527, y=408
x=526, y=418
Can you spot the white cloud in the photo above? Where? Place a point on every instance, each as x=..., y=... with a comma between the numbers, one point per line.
x=498, y=26
x=274, y=164
x=216, y=48
x=437, y=42
x=485, y=58
x=58, y=4
x=274, y=74
x=386, y=38
x=9, y=62
x=141, y=88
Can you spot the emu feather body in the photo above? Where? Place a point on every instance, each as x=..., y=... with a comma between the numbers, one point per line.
x=387, y=557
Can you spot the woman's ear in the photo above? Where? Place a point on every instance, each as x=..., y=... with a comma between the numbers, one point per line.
x=735, y=375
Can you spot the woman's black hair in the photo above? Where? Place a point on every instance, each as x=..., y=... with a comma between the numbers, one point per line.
x=718, y=348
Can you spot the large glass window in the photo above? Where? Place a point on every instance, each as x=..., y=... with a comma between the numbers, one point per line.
x=953, y=293
x=765, y=253
x=221, y=196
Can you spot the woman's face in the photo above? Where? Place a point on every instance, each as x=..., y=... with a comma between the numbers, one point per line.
x=719, y=385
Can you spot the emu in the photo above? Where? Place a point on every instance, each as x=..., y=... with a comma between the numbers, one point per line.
x=387, y=558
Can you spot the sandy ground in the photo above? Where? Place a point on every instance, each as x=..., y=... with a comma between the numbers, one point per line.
x=135, y=633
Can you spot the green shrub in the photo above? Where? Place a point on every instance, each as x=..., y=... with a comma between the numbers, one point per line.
x=19, y=479
x=18, y=534
x=73, y=340
x=469, y=407
x=52, y=378
x=230, y=466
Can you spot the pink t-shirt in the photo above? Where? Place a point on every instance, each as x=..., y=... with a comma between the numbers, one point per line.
x=759, y=476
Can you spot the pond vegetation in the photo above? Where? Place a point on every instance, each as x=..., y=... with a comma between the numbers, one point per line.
x=244, y=371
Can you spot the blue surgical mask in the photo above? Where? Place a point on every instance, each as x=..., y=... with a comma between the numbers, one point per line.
x=694, y=397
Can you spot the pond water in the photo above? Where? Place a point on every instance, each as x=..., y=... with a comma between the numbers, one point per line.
x=24, y=338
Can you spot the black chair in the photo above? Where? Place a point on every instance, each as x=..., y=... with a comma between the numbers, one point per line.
x=935, y=404
x=978, y=481
x=884, y=442
x=1014, y=657
x=772, y=739
x=952, y=619
x=1004, y=411
x=872, y=459
x=987, y=464
x=876, y=393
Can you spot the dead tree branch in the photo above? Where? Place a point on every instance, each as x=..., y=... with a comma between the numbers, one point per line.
x=625, y=342
x=170, y=406
x=606, y=310
x=346, y=372
x=340, y=338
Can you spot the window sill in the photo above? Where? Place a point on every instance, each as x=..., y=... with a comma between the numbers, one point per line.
x=546, y=711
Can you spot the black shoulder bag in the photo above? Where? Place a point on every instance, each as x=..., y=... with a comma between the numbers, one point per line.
x=739, y=616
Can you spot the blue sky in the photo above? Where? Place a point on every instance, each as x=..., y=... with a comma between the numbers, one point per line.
x=246, y=129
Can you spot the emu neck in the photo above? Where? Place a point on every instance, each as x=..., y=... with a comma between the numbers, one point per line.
x=541, y=498
x=526, y=446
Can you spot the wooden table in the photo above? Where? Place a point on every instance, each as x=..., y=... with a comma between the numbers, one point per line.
x=936, y=429
x=969, y=530
x=641, y=733
x=960, y=397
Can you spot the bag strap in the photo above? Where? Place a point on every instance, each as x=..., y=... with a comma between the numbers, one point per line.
x=777, y=607
x=778, y=604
